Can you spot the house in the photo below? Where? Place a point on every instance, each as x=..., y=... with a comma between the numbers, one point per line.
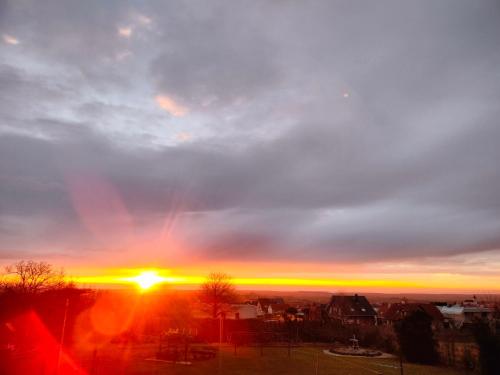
x=318, y=312
x=277, y=308
x=264, y=303
x=381, y=309
x=276, y=312
x=453, y=315
x=398, y=311
x=460, y=315
x=351, y=310
x=242, y=311
x=475, y=311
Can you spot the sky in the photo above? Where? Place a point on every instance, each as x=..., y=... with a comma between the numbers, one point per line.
x=325, y=144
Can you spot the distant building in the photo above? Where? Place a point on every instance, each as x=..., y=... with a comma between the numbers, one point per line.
x=242, y=311
x=314, y=311
x=459, y=315
x=277, y=308
x=351, y=310
x=398, y=311
x=458, y=349
x=264, y=303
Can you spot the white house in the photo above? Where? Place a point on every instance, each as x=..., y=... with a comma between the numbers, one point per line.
x=459, y=315
x=241, y=311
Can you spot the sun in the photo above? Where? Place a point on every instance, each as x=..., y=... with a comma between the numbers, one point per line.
x=147, y=279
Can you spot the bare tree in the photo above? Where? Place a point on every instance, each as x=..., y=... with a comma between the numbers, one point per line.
x=176, y=311
x=217, y=291
x=32, y=277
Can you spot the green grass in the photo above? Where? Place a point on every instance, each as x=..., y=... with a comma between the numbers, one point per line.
x=274, y=361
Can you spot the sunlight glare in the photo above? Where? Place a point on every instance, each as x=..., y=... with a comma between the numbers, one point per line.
x=147, y=279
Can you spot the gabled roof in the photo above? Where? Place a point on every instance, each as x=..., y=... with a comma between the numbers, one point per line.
x=265, y=302
x=352, y=305
x=398, y=311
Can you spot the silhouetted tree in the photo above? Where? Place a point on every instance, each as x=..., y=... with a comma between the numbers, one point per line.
x=176, y=310
x=31, y=277
x=489, y=349
x=217, y=291
x=416, y=338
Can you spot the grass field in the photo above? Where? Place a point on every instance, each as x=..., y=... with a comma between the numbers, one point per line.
x=274, y=361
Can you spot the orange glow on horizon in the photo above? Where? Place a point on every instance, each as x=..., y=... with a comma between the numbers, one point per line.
x=148, y=278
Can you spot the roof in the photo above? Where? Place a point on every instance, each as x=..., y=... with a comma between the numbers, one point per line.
x=279, y=307
x=477, y=309
x=398, y=311
x=457, y=309
x=268, y=301
x=382, y=309
x=238, y=306
x=451, y=310
x=352, y=305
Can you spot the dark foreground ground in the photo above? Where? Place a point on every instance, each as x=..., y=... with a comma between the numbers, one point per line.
x=127, y=359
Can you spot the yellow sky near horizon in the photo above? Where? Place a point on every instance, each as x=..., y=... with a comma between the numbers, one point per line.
x=345, y=282
x=411, y=276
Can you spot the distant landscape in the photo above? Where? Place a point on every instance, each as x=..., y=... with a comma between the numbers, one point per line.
x=50, y=325
x=247, y=187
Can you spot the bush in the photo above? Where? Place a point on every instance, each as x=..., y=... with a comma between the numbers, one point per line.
x=416, y=338
x=489, y=349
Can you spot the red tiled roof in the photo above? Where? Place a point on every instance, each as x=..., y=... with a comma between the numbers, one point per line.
x=398, y=311
x=352, y=305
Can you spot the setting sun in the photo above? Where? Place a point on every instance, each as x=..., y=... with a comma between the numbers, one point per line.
x=147, y=279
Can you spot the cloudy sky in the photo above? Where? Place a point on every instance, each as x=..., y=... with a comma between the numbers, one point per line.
x=325, y=136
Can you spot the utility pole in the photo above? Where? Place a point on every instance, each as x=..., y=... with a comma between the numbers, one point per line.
x=61, y=341
x=400, y=351
x=222, y=316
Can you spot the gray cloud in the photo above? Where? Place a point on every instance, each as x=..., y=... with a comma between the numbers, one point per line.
x=217, y=55
x=326, y=131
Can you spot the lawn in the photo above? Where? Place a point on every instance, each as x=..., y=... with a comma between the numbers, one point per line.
x=274, y=361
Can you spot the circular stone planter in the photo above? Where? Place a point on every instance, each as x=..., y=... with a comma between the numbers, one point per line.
x=356, y=352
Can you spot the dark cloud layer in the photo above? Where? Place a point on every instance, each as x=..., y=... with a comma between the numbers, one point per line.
x=331, y=131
